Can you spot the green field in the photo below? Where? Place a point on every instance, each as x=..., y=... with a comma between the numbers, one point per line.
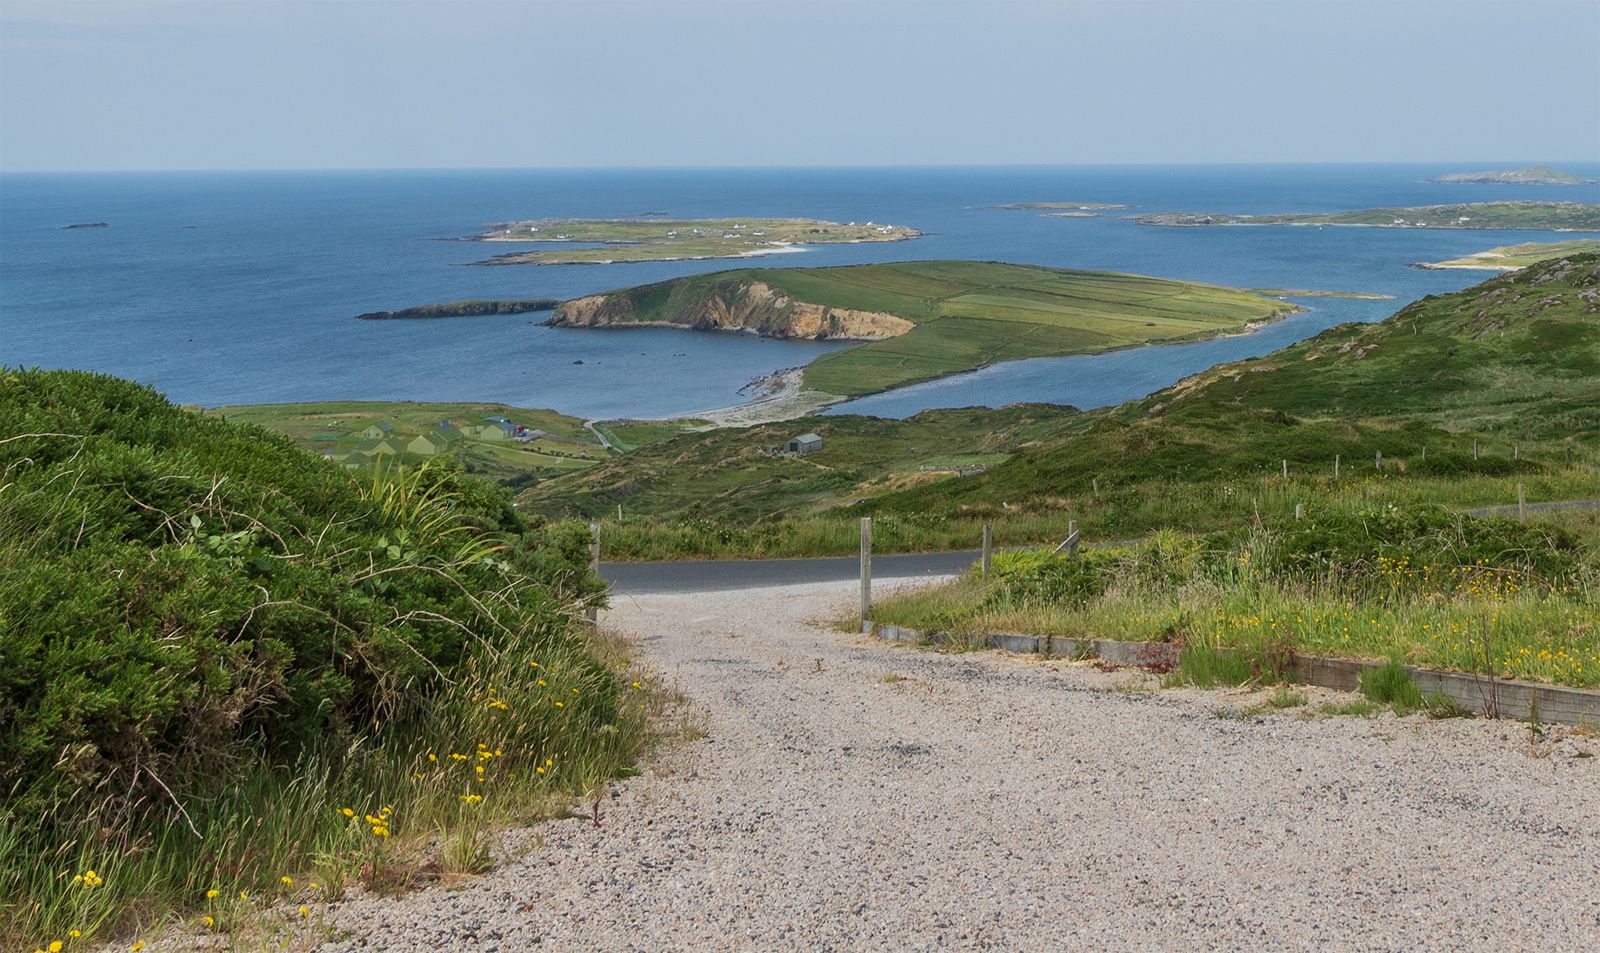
x=1512, y=257
x=335, y=426
x=1540, y=216
x=962, y=314
x=662, y=239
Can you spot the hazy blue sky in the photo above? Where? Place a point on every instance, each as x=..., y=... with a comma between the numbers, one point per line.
x=198, y=84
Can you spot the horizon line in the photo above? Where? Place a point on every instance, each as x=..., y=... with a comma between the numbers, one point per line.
x=886, y=166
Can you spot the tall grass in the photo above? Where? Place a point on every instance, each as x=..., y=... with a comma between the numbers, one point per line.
x=1504, y=619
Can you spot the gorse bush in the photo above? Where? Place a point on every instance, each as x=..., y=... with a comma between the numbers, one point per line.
x=187, y=603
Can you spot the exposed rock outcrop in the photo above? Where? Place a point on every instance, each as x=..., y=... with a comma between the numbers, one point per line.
x=736, y=306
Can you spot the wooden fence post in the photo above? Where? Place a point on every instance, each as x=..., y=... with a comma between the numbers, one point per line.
x=1424, y=451
x=1286, y=469
x=1072, y=537
x=1336, y=466
x=1094, y=484
x=594, y=564
x=988, y=547
x=1516, y=451
x=1474, y=449
x=866, y=572
x=1299, y=511
x=1569, y=455
x=1377, y=461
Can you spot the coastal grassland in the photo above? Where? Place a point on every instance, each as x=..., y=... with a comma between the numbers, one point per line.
x=1417, y=584
x=1512, y=257
x=934, y=318
x=734, y=475
x=971, y=314
x=335, y=426
x=1466, y=396
x=625, y=436
x=661, y=239
x=236, y=678
x=1540, y=216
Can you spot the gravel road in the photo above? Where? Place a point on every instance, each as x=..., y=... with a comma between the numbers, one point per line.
x=853, y=795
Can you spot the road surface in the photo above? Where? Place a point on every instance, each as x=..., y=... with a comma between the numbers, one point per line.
x=852, y=795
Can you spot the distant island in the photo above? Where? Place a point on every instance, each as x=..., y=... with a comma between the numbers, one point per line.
x=1060, y=206
x=678, y=240
x=1513, y=257
x=462, y=309
x=88, y=225
x=926, y=319
x=1532, y=175
x=1542, y=216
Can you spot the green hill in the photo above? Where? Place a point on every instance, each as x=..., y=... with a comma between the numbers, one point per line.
x=929, y=319
x=1511, y=365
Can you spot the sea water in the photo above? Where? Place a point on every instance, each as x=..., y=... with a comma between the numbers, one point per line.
x=221, y=288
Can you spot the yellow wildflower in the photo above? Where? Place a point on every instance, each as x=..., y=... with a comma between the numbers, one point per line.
x=55, y=946
x=286, y=880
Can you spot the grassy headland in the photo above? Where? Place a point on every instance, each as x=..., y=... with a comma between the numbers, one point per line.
x=932, y=318
x=1532, y=175
x=1512, y=257
x=1539, y=216
x=660, y=239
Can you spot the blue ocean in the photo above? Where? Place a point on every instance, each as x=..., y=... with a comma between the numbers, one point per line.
x=224, y=288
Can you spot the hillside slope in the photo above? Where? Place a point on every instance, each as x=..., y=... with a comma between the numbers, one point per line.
x=1512, y=364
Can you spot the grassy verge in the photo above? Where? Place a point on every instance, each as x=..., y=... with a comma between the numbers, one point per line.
x=1486, y=596
x=1115, y=514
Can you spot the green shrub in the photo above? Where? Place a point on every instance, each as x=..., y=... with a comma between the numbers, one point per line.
x=189, y=602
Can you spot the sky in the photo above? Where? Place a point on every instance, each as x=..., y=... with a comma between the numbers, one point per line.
x=323, y=84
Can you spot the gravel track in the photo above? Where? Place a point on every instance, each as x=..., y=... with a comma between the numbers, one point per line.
x=853, y=795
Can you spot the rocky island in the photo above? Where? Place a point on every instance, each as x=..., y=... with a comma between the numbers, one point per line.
x=660, y=239
x=462, y=309
x=1533, y=175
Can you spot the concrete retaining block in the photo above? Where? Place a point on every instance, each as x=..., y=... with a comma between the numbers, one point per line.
x=1479, y=694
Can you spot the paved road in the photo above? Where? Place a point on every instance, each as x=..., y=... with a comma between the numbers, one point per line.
x=720, y=575
x=724, y=574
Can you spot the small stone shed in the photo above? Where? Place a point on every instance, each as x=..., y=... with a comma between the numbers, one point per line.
x=805, y=443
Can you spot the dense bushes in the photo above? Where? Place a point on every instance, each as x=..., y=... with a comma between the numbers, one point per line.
x=185, y=600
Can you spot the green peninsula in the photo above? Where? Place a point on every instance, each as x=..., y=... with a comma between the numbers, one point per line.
x=1512, y=257
x=662, y=239
x=1532, y=175
x=1541, y=216
x=928, y=319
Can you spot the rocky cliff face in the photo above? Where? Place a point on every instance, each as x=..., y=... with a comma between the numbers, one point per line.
x=747, y=306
